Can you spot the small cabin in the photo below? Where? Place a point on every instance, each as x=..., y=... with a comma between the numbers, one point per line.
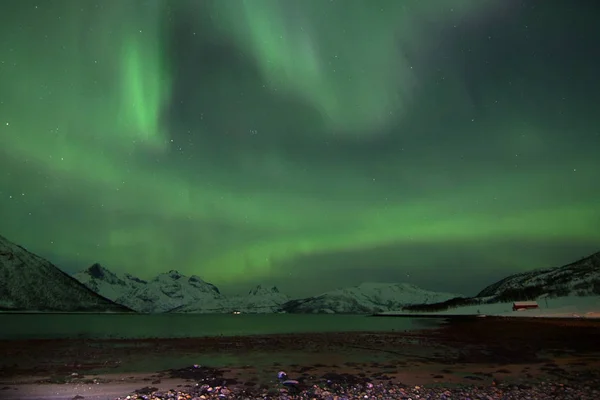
x=525, y=305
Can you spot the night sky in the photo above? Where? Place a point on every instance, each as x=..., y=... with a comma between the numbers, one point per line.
x=310, y=144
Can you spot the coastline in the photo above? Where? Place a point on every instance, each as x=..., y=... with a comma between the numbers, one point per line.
x=463, y=352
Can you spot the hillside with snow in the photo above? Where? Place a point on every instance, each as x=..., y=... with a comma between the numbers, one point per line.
x=175, y=292
x=553, y=307
x=172, y=290
x=579, y=279
x=110, y=285
x=163, y=293
x=258, y=300
x=366, y=298
x=30, y=283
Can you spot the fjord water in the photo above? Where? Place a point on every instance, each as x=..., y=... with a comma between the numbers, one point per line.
x=135, y=326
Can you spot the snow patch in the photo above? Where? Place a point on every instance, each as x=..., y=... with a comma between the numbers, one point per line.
x=367, y=298
x=558, y=307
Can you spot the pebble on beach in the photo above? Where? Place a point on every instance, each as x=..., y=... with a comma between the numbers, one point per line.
x=337, y=387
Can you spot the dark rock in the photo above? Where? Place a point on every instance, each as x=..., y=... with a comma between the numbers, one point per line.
x=146, y=390
x=344, y=379
x=201, y=374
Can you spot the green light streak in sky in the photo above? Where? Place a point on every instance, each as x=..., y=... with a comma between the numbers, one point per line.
x=145, y=89
x=331, y=65
x=97, y=170
x=299, y=52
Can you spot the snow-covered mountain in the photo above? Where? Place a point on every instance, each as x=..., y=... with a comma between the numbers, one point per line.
x=175, y=292
x=259, y=300
x=172, y=290
x=581, y=278
x=118, y=288
x=163, y=293
x=262, y=299
x=31, y=283
x=366, y=298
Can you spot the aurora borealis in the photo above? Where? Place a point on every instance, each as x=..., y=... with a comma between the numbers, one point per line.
x=309, y=144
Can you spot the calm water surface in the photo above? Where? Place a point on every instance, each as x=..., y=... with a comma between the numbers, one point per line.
x=53, y=326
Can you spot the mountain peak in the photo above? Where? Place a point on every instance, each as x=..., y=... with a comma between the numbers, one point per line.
x=200, y=283
x=196, y=278
x=97, y=271
x=259, y=290
x=174, y=274
x=368, y=297
x=33, y=283
x=134, y=278
x=581, y=278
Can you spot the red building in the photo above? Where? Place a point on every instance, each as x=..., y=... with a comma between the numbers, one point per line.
x=525, y=305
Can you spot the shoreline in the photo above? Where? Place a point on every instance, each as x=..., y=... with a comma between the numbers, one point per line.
x=462, y=353
x=558, y=318
x=430, y=315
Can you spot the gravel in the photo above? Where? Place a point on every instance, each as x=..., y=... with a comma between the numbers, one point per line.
x=346, y=390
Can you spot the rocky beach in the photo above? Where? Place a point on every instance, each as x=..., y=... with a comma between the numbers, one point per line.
x=467, y=358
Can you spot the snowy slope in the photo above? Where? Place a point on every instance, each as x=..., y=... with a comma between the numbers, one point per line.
x=262, y=299
x=31, y=283
x=561, y=307
x=118, y=288
x=258, y=300
x=160, y=294
x=172, y=290
x=554, y=307
x=175, y=292
x=366, y=298
x=580, y=278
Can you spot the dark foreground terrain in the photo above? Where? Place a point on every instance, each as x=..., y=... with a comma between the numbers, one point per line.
x=479, y=358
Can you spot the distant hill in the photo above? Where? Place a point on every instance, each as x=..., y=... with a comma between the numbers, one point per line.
x=366, y=298
x=31, y=283
x=163, y=293
x=258, y=300
x=177, y=293
x=581, y=278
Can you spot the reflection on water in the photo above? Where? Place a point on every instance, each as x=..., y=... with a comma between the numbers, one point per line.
x=53, y=326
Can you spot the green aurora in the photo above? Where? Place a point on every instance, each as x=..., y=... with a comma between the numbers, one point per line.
x=311, y=144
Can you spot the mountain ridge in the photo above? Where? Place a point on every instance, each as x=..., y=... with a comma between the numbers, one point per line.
x=577, y=273
x=173, y=292
x=164, y=292
x=366, y=298
x=169, y=292
x=579, y=278
x=21, y=272
x=97, y=289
